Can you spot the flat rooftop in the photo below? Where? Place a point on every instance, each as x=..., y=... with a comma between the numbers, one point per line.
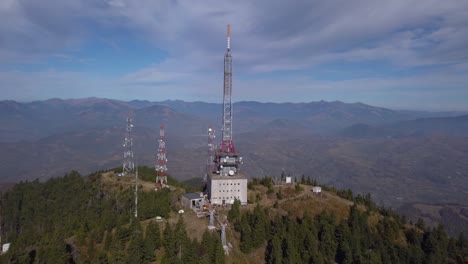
x=192, y=196
x=237, y=176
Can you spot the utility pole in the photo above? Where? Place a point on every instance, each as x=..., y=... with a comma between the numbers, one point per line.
x=136, y=193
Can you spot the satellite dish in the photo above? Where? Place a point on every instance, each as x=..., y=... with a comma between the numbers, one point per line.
x=224, y=160
x=221, y=166
x=231, y=172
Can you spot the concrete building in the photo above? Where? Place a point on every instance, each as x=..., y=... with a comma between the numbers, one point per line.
x=223, y=190
x=191, y=200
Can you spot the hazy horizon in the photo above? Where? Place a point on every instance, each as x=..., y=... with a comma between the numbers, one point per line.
x=263, y=102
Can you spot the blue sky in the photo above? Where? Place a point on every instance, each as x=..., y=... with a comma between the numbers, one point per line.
x=399, y=54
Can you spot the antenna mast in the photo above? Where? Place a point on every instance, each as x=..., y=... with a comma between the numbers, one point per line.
x=128, y=163
x=161, y=167
x=227, y=145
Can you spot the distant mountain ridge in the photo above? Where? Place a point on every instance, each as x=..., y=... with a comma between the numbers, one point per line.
x=401, y=157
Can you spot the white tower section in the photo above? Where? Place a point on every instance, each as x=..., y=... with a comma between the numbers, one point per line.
x=128, y=163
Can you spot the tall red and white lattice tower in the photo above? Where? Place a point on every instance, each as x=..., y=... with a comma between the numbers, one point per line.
x=161, y=163
x=227, y=145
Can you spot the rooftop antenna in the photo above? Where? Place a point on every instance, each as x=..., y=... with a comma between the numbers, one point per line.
x=128, y=163
x=161, y=164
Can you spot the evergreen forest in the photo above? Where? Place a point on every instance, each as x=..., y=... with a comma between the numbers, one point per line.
x=84, y=219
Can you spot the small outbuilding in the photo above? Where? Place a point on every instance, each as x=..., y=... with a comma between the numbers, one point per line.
x=191, y=200
x=317, y=189
x=5, y=247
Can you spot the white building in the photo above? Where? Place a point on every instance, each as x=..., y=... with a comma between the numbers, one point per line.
x=223, y=190
x=5, y=247
x=317, y=189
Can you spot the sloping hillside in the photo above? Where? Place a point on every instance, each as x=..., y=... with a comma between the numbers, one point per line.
x=78, y=219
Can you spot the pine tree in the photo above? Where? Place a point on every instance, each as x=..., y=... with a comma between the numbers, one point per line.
x=136, y=250
x=189, y=254
x=218, y=256
x=258, y=226
x=206, y=247
x=245, y=241
x=152, y=241
x=168, y=237
x=327, y=242
x=290, y=254
x=234, y=213
x=275, y=254
x=311, y=245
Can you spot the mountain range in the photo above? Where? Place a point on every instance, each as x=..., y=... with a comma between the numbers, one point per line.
x=400, y=157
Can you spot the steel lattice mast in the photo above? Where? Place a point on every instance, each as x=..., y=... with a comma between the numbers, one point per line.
x=227, y=145
x=128, y=163
x=161, y=164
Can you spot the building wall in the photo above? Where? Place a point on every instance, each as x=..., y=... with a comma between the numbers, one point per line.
x=186, y=202
x=227, y=189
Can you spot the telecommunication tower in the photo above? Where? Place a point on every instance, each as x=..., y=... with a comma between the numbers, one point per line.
x=227, y=145
x=227, y=161
x=128, y=163
x=225, y=181
x=161, y=163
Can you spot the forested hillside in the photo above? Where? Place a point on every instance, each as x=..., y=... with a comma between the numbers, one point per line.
x=76, y=219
